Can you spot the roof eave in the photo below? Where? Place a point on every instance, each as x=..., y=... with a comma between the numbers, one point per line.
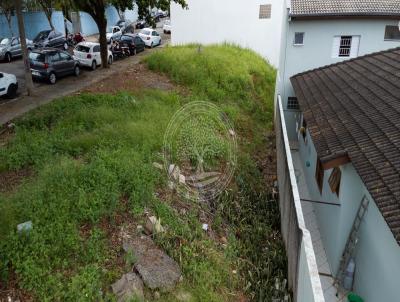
x=343, y=16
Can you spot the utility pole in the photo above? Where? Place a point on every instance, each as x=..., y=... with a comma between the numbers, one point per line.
x=22, y=36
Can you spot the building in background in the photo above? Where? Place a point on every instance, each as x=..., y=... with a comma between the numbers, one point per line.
x=254, y=24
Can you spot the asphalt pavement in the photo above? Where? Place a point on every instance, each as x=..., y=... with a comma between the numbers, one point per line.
x=45, y=92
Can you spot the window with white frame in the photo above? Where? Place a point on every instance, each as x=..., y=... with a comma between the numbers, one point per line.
x=345, y=46
x=298, y=38
x=265, y=11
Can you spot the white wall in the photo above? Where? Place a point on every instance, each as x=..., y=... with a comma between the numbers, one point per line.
x=309, y=287
x=318, y=41
x=234, y=21
x=378, y=254
x=317, y=49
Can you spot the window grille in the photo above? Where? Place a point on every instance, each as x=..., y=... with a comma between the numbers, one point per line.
x=265, y=11
x=392, y=32
x=298, y=38
x=293, y=103
x=345, y=46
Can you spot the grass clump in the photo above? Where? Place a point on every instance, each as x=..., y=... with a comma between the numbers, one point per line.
x=220, y=72
x=92, y=156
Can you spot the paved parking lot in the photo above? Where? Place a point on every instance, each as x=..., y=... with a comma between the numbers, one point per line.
x=44, y=92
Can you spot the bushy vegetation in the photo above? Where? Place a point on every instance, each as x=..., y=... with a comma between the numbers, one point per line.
x=242, y=84
x=90, y=152
x=220, y=73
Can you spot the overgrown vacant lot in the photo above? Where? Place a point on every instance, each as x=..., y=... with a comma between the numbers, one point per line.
x=84, y=167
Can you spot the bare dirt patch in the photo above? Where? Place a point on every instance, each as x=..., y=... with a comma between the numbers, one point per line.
x=267, y=161
x=10, y=291
x=6, y=133
x=132, y=79
x=10, y=180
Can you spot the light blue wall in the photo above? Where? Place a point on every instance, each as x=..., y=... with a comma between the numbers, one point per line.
x=318, y=42
x=132, y=15
x=378, y=260
x=328, y=216
x=89, y=27
x=378, y=254
x=37, y=21
x=34, y=23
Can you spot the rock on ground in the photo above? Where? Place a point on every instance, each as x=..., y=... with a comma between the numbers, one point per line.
x=183, y=296
x=157, y=269
x=128, y=287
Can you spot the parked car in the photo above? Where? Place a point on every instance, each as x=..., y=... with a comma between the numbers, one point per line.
x=88, y=54
x=8, y=85
x=150, y=37
x=51, y=63
x=50, y=38
x=167, y=27
x=123, y=25
x=113, y=33
x=141, y=24
x=133, y=42
x=163, y=13
x=157, y=16
x=129, y=29
x=11, y=48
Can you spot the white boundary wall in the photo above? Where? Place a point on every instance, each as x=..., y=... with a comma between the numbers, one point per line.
x=302, y=266
x=232, y=21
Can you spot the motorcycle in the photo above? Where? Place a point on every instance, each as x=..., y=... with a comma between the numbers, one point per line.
x=119, y=50
x=73, y=39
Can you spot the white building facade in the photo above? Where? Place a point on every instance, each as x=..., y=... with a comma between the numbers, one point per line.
x=253, y=24
x=312, y=40
x=315, y=34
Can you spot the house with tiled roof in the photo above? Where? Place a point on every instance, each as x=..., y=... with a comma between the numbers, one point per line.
x=338, y=117
x=349, y=151
x=322, y=32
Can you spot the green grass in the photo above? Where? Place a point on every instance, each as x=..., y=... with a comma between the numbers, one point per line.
x=91, y=151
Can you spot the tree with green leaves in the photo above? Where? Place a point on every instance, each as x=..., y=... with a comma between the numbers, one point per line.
x=96, y=8
x=7, y=7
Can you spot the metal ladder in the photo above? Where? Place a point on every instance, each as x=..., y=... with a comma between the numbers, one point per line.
x=351, y=243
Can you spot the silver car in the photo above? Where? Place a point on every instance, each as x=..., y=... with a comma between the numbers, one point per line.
x=11, y=48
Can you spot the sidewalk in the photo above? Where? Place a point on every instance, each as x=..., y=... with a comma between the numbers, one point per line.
x=66, y=86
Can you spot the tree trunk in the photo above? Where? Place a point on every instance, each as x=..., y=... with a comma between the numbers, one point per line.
x=48, y=12
x=28, y=75
x=102, y=25
x=8, y=18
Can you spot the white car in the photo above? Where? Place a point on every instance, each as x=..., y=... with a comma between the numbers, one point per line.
x=167, y=27
x=8, y=85
x=88, y=54
x=163, y=13
x=150, y=37
x=113, y=33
